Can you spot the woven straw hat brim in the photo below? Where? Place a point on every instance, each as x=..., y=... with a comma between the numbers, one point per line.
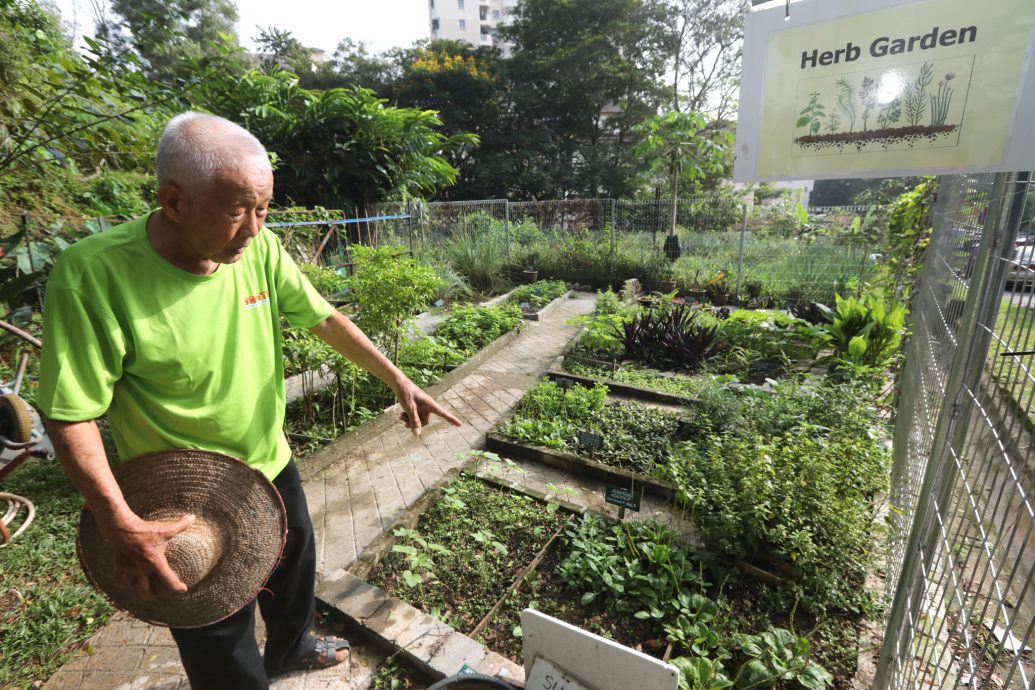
x=217, y=488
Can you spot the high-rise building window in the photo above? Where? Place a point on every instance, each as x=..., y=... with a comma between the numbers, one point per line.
x=460, y=4
x=434, y=24
x=463, y=25
x=495, y=13
x=432, y=3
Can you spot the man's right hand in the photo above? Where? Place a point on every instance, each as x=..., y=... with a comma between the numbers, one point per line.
x=140, y=552
x=139, y=544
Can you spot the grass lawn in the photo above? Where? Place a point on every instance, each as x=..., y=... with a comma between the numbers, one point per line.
x=47, y=608
x=1014, y=332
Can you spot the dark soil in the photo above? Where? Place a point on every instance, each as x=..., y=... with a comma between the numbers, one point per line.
x=885, y=137
x=470, y=573
x=833, y=639
x=545, y=592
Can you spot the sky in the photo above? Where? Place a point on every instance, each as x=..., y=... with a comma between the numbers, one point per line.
x=382, y=24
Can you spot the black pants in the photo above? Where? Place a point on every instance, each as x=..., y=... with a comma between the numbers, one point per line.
x=225, y=655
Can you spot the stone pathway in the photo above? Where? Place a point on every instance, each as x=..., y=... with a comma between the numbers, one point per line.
x=364, y=488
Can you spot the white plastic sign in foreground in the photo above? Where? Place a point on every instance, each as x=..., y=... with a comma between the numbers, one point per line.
x=580, y=660
x=868, y=88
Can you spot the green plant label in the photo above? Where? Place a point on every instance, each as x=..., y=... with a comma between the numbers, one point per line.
x=590, y=440
x=622, y=497
x=466, y=670
x=525, y=305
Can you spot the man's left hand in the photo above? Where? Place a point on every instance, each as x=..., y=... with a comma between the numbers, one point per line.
x=418, y=407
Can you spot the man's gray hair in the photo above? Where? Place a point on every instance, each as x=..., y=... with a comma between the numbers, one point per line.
x=195, y=146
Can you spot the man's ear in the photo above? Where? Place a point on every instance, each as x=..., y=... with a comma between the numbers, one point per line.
x=173, y=201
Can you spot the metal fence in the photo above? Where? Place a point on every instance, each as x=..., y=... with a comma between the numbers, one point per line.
x=961, y=566
x=765, y=253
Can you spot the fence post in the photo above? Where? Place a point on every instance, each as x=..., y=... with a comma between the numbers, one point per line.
x=409, y=226
x=506, y=220
x=614, y=238
x=740, y=254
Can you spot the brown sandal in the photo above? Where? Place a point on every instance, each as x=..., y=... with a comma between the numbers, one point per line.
x=324, y=655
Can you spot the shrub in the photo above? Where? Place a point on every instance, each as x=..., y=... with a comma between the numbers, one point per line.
x=807, y=500
x=388, y=289
x=326, y=280
x=671, y=339
x=866, y=331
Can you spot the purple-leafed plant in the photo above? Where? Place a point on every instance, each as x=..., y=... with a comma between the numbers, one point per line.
x=671, y=339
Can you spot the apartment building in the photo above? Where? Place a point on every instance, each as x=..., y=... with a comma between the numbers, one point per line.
x=473, y=21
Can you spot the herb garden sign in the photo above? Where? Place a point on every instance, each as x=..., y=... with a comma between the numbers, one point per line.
x=886, y=88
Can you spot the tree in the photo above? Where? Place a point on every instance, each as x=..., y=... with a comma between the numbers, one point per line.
x=706, y=59
x=353, y=65
x=687, y=148
x=280, y=50
x=168, y=34
x=335, y=148
x=61, y=112
x=464, y=85
x=583, y=75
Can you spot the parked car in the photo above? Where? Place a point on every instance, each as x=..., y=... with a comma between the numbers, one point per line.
x=1021, y=269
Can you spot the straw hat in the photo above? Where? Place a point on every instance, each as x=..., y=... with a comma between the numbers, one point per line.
x=224, y=557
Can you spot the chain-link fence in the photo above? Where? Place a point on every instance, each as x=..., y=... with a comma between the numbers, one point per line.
x=961, y=566
x=764, y=256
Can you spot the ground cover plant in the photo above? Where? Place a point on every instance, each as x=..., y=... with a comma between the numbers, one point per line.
x=538, y=294
x=794, y=477
x=354, y=396
x=657, y=348
x=1012, y=373
x=47, y=608
x=469, y=328
x=466, y=551
x=641, y=584
x=635, y=437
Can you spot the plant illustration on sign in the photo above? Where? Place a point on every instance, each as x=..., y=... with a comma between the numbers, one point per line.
x=812, y=114
x=846, y=100
x=898, y=107
x=916, y=94
x=940, y=101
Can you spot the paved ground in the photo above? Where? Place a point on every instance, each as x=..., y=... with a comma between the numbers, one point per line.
x=352, y=502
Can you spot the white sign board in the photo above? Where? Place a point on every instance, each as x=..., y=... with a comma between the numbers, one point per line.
x=881, y=88
x=580, y=659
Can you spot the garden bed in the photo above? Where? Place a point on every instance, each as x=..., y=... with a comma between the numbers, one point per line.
x=581, y=424
x=467, y=550
x=580, y=466
x=537, y=300
x=638, y=583
x=624, y=389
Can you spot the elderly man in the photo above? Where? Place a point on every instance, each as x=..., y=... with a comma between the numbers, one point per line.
x=170, y=324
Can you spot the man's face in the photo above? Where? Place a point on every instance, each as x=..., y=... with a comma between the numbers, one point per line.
x=220, y=220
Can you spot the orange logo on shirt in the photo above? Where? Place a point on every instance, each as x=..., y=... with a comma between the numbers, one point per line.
x=252, y=301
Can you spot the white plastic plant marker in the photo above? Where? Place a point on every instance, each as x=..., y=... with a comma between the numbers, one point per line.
x=580, y=660
x=546, y=676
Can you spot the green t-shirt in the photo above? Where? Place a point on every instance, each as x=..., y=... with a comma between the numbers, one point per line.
x=177, y=360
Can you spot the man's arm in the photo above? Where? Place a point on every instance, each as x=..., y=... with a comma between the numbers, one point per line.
x=338, y=331
x=139, y=544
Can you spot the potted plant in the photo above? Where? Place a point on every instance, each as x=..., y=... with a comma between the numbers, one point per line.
x=531, y=260
x=719, y=289
x=668, y=281
x=695, y=290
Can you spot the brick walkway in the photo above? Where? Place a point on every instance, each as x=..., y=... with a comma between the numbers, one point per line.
x=352, y=501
